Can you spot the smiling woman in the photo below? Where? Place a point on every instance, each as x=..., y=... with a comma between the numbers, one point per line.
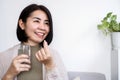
x=34, y=29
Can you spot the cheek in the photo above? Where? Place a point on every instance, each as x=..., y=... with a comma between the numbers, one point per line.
x=48, y=29
x=29, y=30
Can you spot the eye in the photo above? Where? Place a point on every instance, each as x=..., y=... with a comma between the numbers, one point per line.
x=47, y=23
x=36, y=21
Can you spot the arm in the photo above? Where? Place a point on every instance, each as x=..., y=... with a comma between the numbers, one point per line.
x=16, y=66
x=58, y=72
x=54, y=68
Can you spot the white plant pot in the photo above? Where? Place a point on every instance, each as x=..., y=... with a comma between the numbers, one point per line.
x=115, y=40
x=115, y=56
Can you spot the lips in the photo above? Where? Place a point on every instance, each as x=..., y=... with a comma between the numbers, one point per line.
x=40, y=34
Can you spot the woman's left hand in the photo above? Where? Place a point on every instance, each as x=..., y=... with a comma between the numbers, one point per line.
x=44, y=56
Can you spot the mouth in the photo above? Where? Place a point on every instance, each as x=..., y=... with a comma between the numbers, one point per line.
x=40, y=34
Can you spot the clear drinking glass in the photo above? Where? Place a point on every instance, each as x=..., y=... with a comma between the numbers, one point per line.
x=25, y=49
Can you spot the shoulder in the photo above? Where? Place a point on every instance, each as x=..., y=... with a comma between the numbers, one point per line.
x=6, y=58
x=9, y=51
x=56, y=55
x=54, y=52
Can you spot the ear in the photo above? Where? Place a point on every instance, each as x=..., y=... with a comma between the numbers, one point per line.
x=21, y=24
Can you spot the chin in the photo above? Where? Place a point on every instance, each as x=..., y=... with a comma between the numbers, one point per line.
x=41, y=41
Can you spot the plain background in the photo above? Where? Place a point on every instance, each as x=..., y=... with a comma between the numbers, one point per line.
x=76, y=37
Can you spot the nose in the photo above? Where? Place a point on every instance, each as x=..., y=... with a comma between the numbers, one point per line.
x=41, y=26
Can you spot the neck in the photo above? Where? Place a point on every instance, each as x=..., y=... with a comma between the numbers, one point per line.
x=30, y=43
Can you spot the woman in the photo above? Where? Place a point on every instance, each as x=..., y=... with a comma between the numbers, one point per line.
x=34, y=28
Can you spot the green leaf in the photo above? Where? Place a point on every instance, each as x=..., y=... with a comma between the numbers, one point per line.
x=114, y=17
x=100, y=27
x=104, y=19
x=109, y=14
x=109, y=24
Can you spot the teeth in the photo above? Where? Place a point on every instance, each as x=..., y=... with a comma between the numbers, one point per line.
x=40, y=33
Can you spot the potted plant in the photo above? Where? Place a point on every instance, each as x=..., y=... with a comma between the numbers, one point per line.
x=110, y=25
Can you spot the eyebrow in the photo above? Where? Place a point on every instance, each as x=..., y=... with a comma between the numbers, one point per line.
x=38, y=18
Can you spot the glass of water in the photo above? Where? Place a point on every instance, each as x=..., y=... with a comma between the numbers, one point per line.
x=25, y=49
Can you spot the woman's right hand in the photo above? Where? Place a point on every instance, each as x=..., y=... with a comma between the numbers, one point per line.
x=18, y=65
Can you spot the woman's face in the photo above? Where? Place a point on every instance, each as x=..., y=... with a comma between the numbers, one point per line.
x=37, y=27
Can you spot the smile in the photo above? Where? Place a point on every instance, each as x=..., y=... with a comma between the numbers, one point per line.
x=40, y=34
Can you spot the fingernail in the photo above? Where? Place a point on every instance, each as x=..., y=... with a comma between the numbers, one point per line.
x=45, y=41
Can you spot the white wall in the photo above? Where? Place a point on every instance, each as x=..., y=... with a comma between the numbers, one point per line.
x=81, y=45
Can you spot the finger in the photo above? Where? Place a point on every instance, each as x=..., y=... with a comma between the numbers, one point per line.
x=16, y=61
x=23, y=61
x=21, y=67
x=22, y=56
x=43, y=54
x=25, y=66
x=24, y=69
x=39, y=56
x=45, y=45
